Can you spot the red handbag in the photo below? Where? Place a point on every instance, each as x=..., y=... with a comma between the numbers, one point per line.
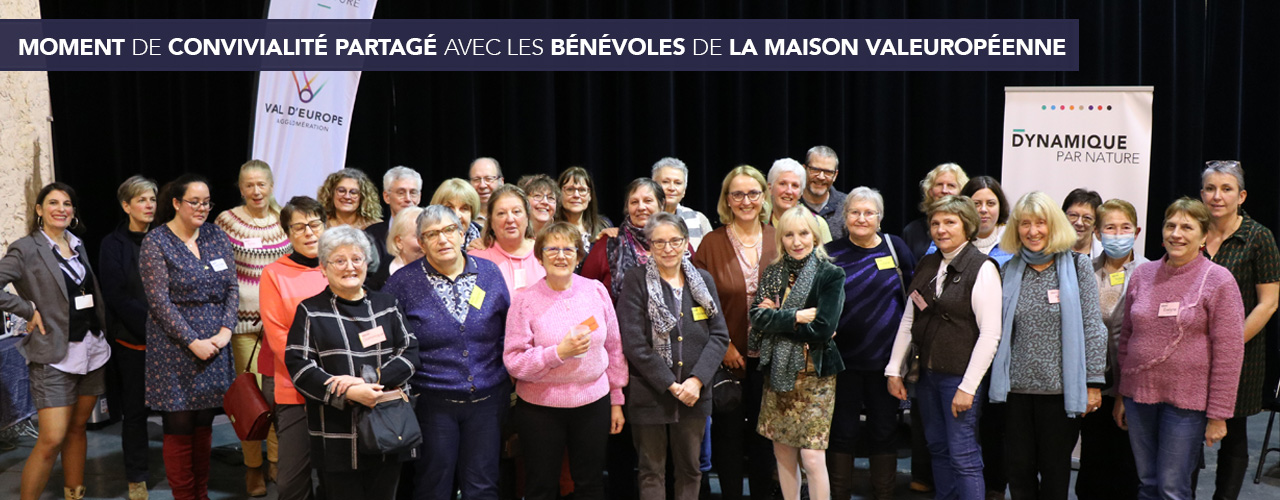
x=246, y=407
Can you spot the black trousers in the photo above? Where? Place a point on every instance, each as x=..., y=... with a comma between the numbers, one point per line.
x=131, y=366
x=855, y=390
x=991, y=434
x=1107, y=471
x=1038, y=442
x=370, y=483
x=545, y=434
x=737, y=450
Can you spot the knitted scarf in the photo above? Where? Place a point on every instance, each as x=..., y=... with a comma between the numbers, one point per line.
x=628, y=250
x=662, y=320
x=783, y=356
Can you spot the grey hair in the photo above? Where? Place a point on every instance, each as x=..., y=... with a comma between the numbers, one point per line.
x=863, y=193
x=341, y=236
x=673, y=163
x=787, y=165
x=665, y=219
x=822, y=151
x=400, y=173
x=1229, y=167
x=135, y=186
x=434, y=214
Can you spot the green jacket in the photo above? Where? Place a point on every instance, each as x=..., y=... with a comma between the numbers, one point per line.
x=828, y=296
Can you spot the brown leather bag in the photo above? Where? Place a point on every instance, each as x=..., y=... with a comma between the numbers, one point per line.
x=246, y=407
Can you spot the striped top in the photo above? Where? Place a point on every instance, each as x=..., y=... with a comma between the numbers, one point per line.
x=254, y=243
x=697, y=223
x=873, y=299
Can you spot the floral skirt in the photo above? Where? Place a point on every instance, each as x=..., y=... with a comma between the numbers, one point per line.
x=801, y=417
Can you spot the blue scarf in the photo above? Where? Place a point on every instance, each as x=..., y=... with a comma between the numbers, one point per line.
x=1075, y=390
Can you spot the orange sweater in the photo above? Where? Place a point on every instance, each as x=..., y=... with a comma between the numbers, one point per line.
x=284, y=285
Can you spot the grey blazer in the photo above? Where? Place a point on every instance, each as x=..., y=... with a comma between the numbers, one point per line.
x=697, y=348
x=30, y=265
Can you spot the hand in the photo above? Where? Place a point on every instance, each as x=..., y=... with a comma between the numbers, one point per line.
x=203, y=349
x=767, y=304
x=610, y=232
x=806, y=316
x=616, y=419
x=733, y=360
x=572, y=345
x=1214, y=431
x=1118, y=414
x=692, y=391
x=365, y=394
x=36, y=323
x=222, y=338
x=961, y=403
x=896, y=389
x=1095, y=401
x=676, y=389
x=339, y=384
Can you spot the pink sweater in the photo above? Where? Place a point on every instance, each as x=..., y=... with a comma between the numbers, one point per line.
x=538, y=319
x=514, y=269
x=1191, y=361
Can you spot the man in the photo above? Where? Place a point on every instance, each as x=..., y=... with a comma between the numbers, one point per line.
x=822, y=166
x=486, y=176
x=786, y=182
x=401, y=189
x=672, y=174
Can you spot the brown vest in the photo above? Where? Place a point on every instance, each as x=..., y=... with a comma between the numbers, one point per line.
x=946, y=330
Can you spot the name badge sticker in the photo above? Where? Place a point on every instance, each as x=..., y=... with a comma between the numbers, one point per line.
x=1117, y=278
x=252, y=243
x=883, y=263
x=520, y=278
x=1168, y=309
x=218, y=265
x=372, y=336
x=918, y=300
x=1053, y=297
x=477, y=297
x=84, y=302
x=699, y=314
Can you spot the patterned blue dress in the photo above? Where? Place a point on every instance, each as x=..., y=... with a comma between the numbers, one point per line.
x=190, y=299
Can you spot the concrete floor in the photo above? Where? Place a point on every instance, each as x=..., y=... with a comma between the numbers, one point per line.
x=104, y=474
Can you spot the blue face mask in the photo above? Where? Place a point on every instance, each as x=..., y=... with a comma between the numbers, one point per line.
x=1117, y=246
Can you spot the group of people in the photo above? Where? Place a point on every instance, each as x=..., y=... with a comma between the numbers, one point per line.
x=538, y=339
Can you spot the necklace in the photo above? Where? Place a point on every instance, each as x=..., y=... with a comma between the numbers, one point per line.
x=742, y=240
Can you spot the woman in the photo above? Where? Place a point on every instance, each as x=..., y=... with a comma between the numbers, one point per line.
x=732, y=255
x=350, y=199
x=458, y=195
x=793, y=324
x=569, y=369
x=543, y=193
x=877, y=268
x=674, y=347
x=285, y=284
x=1051, y=361
x=349, y=346
x=1247, y=249
x=187, y=272
x=614, y=256
x=508, y=239
x=993, y=212
x=401, y=244
x=578, y=205
x=1106, y=458
x=456, y=305
x=1179, y=380
x=1081, y=207
x=786, y=185
x=257, y=239
x=673, y=175
x=59, y=296
x=127, y=324
x=954, y=321
x=944, y=180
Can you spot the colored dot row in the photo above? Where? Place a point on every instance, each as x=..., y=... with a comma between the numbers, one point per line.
x=1064, y=107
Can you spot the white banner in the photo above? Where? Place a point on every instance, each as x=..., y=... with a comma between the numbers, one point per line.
x=1057, y=139
x=303, y=118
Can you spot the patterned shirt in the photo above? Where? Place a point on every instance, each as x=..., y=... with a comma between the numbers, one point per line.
x=1035, y=363
x=452, y=293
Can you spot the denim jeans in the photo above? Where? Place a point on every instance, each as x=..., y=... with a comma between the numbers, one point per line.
x=1166, y=445
x=953, y=442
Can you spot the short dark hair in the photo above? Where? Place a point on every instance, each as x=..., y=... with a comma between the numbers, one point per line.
x=174, y=190
x=303, y=205
x=44, y=193
x=988, y=182
x=645, y=182
x=1082, y=196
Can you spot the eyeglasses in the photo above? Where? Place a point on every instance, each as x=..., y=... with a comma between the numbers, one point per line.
x=540, y=198
x=432, y=235
x=486, y=179
x=409, y=192
x=554, y=251
x=199, y=205
x=1075, y=217
x=822, y=172
x=1222, y=163
x=753, y=195
x=314, y=224
x=869, y=214
x=580, y=190
x=342, y=263
x=671, y=243
x=346, y=192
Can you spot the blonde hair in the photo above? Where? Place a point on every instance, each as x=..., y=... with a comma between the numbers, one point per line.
x=370, y=210
x=1117, y=205
x=261, y=166
x=926, y=185
x=803, y=216
x=1062, y=236
x=458, y=189
x=722, y=206
x=405, y=221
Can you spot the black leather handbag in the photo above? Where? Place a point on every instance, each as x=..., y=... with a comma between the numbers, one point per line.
x=390, y=427
x=726, y=391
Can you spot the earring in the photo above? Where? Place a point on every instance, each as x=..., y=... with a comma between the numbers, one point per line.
x=39, y=222
x=75, y=222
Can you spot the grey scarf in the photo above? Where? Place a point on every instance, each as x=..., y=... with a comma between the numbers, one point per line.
x=661, y=318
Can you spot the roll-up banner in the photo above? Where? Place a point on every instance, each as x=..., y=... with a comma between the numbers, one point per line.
x=1057, y=139
x=303, y=118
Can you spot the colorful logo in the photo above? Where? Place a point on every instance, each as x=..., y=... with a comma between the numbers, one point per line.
x=305, y=93
x=1074, y=107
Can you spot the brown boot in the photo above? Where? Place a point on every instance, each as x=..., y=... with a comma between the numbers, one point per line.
x=884, y=476
x=840, y=474
x=254, y=482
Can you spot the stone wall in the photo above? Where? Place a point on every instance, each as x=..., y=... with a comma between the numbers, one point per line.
x=26, y=140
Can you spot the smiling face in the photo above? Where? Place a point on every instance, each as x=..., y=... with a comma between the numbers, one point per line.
x=255, y=189
x=822, y=172
x=667, y=246
x=1222, y=194
x=56, y=211
x=542, y=206
x=559, y=256
x=1082, y=217
x=460, y=209
x=673, y=184
x=402, y=194
x=485, y=178
x=346, y=269
x=441, y=243
x=193, y=209
x=1033, y=232
x=642, y=203
x=797, y=238
x=988, y=206
x=577, y=196
x=785, y=191
x=862, y=219
x=944, y=184
x=509, y=220
x=142, y=208
x=304, y=233
x=741, y=190
x=346, y=196
x=947, y=230
x=1183, y=238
